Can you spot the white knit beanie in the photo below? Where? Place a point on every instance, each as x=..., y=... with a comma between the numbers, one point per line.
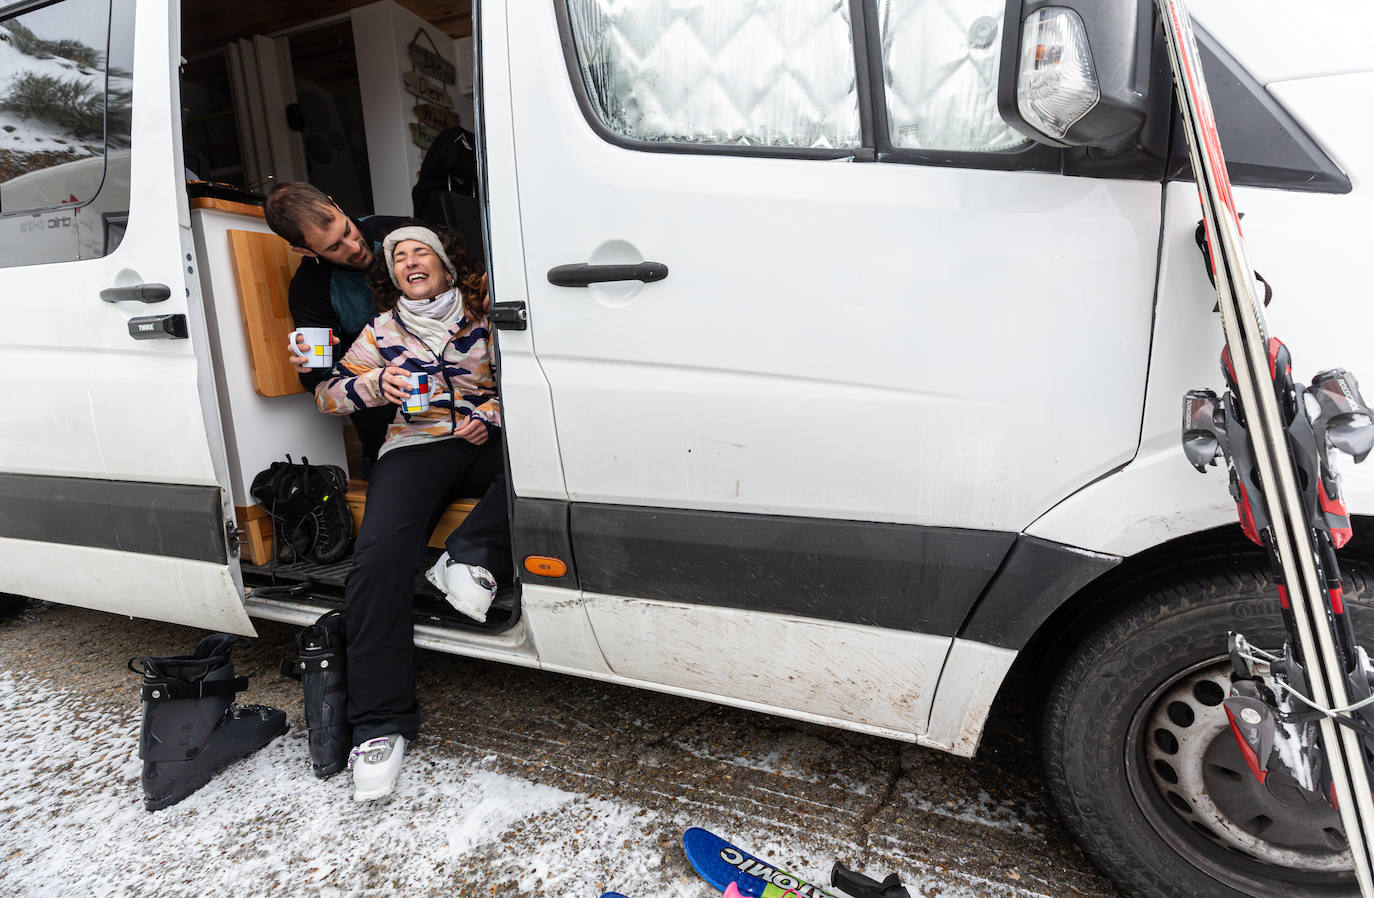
x=423, y=235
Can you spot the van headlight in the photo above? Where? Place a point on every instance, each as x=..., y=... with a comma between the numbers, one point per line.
x=1056, y=83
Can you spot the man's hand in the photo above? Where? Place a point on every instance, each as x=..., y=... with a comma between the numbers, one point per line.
x=301, y=361
x=473, y=430
x=395, y=387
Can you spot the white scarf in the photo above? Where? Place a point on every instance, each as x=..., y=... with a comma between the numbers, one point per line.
x=430, y=319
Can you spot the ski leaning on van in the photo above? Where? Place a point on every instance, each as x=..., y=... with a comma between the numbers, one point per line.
x=1305, y=712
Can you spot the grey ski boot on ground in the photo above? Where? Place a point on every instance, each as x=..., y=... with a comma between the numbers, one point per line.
x=319, y=666
x=190, y=730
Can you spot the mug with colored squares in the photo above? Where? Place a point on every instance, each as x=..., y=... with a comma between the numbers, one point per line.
x=417, y=400
x=313, y=345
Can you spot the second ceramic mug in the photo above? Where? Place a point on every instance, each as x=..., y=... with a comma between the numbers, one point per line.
x=417, y=400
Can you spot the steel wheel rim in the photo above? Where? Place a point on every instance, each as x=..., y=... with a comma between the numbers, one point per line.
x=1188, y=779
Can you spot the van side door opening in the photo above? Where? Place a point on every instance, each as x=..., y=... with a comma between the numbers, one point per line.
x=264, y=417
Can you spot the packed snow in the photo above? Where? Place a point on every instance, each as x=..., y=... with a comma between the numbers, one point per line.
x=74, y=824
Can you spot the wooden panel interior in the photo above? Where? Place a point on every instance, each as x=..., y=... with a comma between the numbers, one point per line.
x=263, y=266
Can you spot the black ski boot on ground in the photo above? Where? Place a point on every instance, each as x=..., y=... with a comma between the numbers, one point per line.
x=319, y=665
x=189, y=728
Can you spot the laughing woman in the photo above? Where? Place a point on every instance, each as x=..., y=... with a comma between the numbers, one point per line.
x=432, y=321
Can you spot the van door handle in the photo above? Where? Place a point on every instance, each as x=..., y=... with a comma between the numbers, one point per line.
x=139, y=292
x=583, y=274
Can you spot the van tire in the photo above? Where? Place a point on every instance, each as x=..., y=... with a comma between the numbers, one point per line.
x=11, y=604
x=1149, y=678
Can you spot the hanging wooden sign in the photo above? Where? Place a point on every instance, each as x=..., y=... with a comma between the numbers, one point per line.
x=422, y=136
x=429, y=62
x=437, y=117
x=426, y=90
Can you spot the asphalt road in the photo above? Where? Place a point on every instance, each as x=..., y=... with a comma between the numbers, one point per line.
x=806, y=794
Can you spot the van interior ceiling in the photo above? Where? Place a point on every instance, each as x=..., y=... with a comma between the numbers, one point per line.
x=311, y=92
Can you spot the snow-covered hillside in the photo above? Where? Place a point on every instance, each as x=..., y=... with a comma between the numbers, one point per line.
x=43, y=94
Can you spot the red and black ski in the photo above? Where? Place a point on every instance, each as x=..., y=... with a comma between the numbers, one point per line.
x=1302, y=708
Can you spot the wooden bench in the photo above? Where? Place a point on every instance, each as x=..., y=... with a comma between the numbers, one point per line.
x=256, y=526
x=448, y=522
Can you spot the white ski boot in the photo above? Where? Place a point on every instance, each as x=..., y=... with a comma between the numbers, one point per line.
x=375, y=765
x=468, y=588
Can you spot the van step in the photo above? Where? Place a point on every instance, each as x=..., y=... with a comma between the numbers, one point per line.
x=324, y=585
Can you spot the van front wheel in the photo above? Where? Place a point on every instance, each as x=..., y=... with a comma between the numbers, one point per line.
x=1140, y=760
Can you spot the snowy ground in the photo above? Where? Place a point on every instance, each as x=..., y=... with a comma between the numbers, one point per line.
x=523, y=784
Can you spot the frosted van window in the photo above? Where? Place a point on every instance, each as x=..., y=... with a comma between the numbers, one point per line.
x=66, y=93
x=940, y=60
x=748, y=73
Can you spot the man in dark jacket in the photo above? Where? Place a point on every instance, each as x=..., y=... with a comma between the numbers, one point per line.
x=330, y=287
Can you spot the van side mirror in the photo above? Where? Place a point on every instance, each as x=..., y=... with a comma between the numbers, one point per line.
x=1077, y=73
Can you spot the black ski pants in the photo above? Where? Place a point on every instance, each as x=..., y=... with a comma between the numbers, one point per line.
x=408, y=491
x=483, y=538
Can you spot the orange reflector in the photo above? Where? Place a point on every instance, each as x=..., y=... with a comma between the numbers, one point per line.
x=545, y=566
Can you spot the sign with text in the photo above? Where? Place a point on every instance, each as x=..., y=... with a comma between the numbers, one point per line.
x=426, y=90
x=429, y=62
x=422, y=135
x=437, y=117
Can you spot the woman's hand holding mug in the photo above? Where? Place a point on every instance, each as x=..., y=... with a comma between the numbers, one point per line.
x=395, y=386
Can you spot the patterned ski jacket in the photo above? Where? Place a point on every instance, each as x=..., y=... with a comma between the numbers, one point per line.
x=462, y=382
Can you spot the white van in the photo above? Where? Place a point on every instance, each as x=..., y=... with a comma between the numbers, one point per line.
x=834, y=391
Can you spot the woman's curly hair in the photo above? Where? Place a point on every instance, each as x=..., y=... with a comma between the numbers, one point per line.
x=385, y=293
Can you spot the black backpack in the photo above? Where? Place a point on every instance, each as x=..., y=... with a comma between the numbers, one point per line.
x=445, y=194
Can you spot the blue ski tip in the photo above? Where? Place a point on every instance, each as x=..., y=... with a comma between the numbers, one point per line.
x=720, y=863
x=612, y=895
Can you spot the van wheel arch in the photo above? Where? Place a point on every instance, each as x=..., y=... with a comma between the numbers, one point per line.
x=1176, y=593
x=1086, y=609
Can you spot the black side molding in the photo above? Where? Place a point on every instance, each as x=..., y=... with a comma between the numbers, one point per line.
x=540, y=527
x=1037, y=577
x=583, y=274
x=900, y=576
x=178, y=520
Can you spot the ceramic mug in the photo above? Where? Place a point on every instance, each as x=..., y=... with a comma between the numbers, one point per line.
x=417, y=400
x=312, y=344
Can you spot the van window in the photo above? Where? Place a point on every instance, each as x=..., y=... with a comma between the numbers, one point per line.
x=745, y=73
x=66, y=93
x=940, y=61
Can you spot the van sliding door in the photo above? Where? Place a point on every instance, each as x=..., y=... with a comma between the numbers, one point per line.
x=109, y=493
x=823, y=335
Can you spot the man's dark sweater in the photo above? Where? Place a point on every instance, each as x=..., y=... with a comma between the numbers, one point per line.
x=327, y=295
